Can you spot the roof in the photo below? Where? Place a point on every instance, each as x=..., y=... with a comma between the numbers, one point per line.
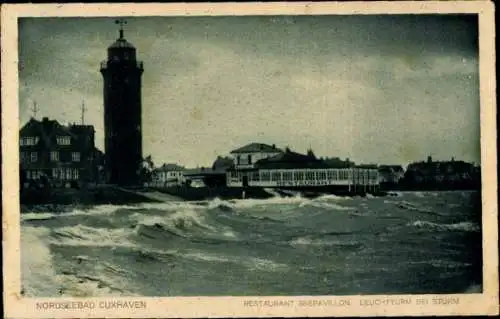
x=170, y=167
x=395, y=168
x=441, y=166
x=257, y=148
x=289, y=160
x=336, y=162
x=82, y=129
x=223, y=163
x=46, y=129
x=121, y=43
x=203, y=172
x=372, y=166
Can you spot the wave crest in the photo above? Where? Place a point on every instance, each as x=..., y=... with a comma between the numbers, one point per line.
x=462, y=226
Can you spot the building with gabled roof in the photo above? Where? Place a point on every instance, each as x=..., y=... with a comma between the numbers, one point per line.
x=450, y=173
x=168, y=175
x=58, y=154
x=291, y=160
x=257, y=148
x=289, y=169
x=245, y=157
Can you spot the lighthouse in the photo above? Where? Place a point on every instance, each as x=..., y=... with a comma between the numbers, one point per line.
x=122, y=74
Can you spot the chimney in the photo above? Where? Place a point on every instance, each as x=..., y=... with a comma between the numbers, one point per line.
x=274, y=146
x=45, y=119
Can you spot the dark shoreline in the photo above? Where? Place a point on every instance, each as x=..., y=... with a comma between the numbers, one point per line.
x=101, y=195
x=53, y=198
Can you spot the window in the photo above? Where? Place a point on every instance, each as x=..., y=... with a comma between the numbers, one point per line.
x=238, y=159
x=24, y=157
x=287, y=176
x=34, y=157
x=275, y=176
x=75, y=156
x=249, y=159
x=299, y=176
x=29, y=140
x=310, y=175
x=63, y=140
x=56, y=172
x=254, y=176
x=265, y=176
x=54, y=156
x=34, y=174
x=322, y=175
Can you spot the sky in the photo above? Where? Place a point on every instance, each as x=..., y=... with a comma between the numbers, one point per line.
x=387, y=89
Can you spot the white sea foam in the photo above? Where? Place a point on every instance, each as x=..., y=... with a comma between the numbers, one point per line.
x=253, y=263
x=308, y=241
x=248, y=203
x=81, y=235
x=173, y=205
x=329, y=197
x=327, y=205
x=462, y=226
x=396, y=194
x=37, y=216
x=202, y=256
x=184, y=220
x=263, y=264
x=188, y=218
x=473, y=289
x=95, y=210
x=39, y=277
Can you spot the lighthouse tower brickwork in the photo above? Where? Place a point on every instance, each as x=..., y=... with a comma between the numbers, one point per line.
x=122, y=113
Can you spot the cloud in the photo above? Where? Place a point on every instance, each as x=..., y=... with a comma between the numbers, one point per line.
x=375, y=89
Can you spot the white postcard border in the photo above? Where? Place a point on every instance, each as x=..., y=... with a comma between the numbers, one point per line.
x=17, y=306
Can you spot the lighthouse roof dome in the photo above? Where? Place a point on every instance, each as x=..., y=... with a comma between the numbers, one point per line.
x=121, y=43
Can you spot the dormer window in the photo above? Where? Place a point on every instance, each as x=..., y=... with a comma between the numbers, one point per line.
x=63, y=140
x=29, y=140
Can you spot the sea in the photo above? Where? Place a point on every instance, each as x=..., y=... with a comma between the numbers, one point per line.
x=403, y=243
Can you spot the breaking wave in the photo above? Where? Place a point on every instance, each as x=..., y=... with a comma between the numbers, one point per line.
x=430, y=226
x=280, y=245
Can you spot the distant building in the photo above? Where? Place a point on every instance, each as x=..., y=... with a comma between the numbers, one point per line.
x=290, y=159
x=289, y=169
x=336, y=162
x=168, y=175
x=57, y=154
x=122, y=113
x=450, y=172
x=391, y=174
x=245, y=157
x=205, y=176
x=223, y=163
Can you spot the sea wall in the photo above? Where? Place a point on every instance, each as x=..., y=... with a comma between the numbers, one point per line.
x=83, y=196
x=206, y=193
